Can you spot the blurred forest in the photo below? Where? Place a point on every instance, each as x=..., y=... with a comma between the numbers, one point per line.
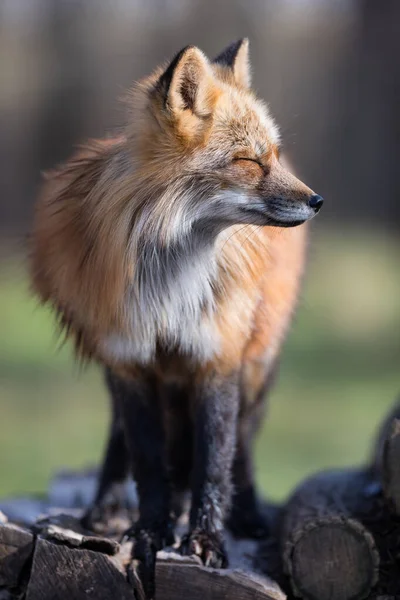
x=330, y=71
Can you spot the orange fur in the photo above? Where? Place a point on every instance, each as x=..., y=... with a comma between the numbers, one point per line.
x=70, y=267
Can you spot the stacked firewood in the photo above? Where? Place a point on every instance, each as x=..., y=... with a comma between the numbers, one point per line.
x=338, y=535
x=336, y=538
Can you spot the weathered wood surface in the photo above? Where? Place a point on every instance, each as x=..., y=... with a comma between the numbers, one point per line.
x=383, y=518
x=339, y=535
x=61, y=562
x=391, y=468
x=319, y=528
x=384, y=433
x=60, y=573
x=16, y=548
x=197, y=583
x=386, y=459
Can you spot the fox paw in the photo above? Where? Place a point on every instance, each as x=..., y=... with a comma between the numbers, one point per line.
x=208, y=546
x=96, y=518
x=114, y=505
x=106, y=518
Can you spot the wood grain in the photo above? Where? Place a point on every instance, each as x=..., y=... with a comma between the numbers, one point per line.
x=327, y=553
x=16, y=547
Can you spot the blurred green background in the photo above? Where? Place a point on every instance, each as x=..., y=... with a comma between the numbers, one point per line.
x=331, y=74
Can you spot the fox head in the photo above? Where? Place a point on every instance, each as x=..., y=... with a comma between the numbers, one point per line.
x=209, y=149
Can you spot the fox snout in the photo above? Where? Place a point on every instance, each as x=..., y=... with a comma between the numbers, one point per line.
x=287, y=200
x=286, y=211
x=281, y=200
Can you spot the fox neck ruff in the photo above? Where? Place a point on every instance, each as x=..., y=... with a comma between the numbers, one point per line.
x=177, y=291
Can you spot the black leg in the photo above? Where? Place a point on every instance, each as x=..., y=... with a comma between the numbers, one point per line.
x=246, y=518
x=179, y=431
x=144, y=434
x=111, y=492
x=215, y=422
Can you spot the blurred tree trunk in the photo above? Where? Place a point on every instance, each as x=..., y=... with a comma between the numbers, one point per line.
x=379, y=102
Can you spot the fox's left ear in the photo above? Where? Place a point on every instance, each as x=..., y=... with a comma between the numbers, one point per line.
x=236, y=57
x=187, y=85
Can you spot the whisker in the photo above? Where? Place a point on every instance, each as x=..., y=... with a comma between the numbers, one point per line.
x=236, y=232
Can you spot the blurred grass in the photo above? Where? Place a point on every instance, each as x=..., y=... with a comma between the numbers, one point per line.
x=339, y=375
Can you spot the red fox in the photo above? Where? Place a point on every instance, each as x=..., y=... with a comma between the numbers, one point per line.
x=171, y=255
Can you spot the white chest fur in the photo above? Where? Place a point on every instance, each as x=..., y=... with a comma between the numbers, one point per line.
x=171, y=302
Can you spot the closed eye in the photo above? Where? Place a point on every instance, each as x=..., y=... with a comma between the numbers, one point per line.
x=241, y=159
x=253, y=160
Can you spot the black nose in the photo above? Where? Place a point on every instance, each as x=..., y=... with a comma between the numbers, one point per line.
x=316, y=202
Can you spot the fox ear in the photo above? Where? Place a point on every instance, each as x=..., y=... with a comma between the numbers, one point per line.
x=187, y=83
x=236, y=57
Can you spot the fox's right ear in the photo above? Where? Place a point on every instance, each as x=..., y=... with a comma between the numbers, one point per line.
x=236, y=57
x=187, y=84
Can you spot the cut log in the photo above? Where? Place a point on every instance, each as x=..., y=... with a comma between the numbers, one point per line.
x=178, y=579
x=391, y=468
x=67, y=564
x=327, y=553
x=383, y=434
x=63, y=573
x=383, y=521
x=386, y=460
x=16, y=548
x=72, y=538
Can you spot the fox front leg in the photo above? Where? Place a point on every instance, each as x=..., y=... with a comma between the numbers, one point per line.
x=111, y=496
x=145, y=439
x=215, y=422
x=246, y=518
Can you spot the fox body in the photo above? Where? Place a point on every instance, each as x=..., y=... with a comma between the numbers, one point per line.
x=170, y=256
